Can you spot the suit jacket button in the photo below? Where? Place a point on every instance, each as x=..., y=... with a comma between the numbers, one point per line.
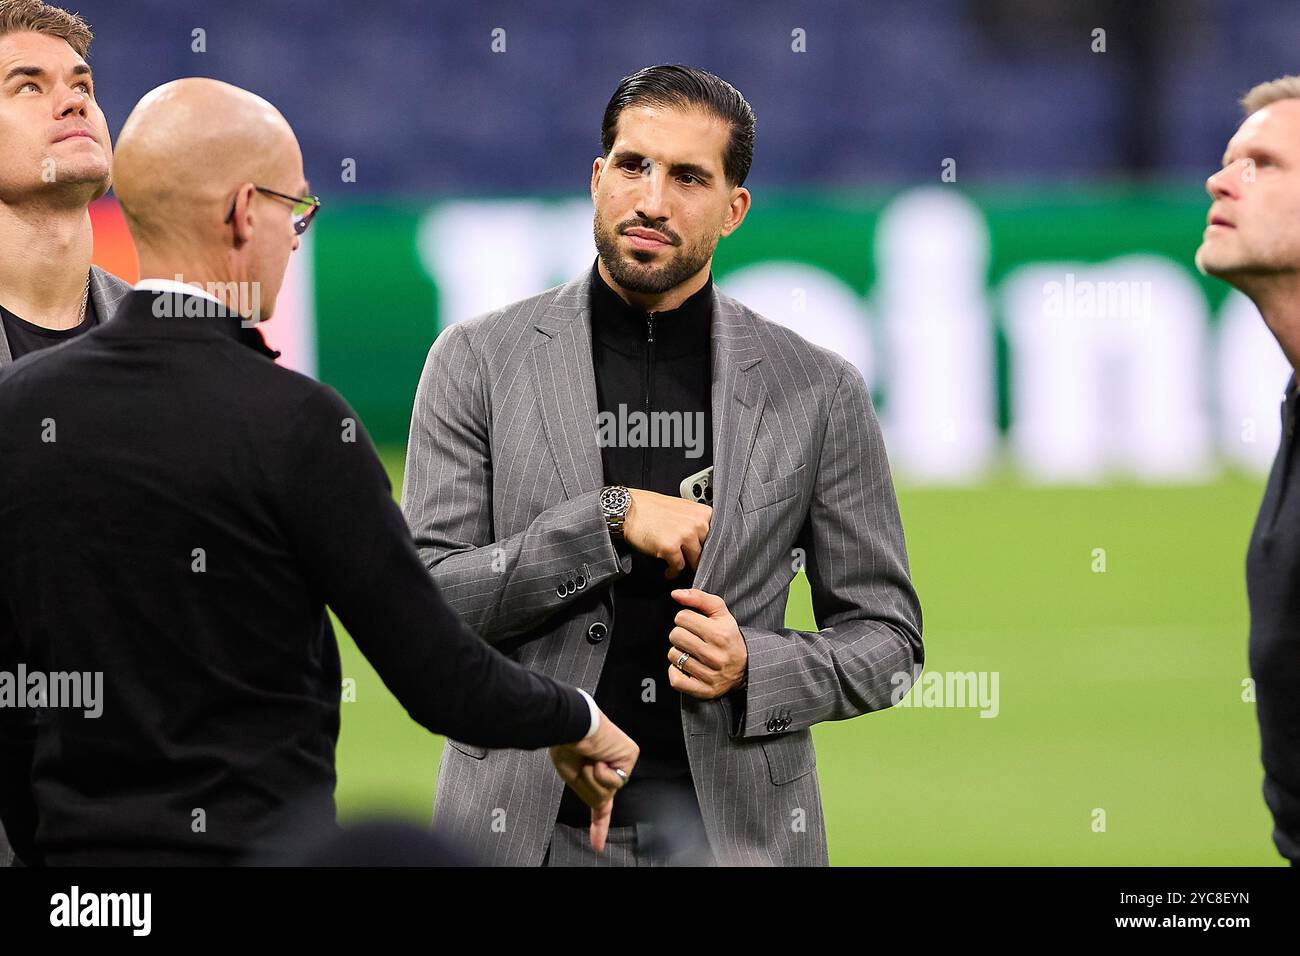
x=582, y=582
x=561, y=591
x=771, y=725
x=596, y=633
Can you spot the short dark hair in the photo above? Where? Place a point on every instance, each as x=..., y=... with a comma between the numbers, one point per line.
x=684, y=86
x=20, y=16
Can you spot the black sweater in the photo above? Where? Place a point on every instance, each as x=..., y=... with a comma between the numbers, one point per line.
x=182, y=534
x=648, y=363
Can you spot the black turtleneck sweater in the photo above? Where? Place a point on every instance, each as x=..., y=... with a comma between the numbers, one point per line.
x=1272, y=568
x=646, y=363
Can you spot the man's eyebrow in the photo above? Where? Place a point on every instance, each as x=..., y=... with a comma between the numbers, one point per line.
x=34, y=71
x=623, y=156
x=37, y=72
x=1254, y=154
x=694, y=169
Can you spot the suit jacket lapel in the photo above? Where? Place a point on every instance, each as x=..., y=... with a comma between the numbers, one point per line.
x=566, y=386
x=738, y=397
x=106, y=292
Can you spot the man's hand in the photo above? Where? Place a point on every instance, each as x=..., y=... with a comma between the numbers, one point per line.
x=707, y=632
x=588, y=766
x=672, y=529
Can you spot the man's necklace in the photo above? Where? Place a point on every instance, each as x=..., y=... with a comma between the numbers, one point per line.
x=85, y=295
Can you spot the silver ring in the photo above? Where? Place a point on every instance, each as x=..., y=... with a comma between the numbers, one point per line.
x=682, y=660
x=621, y=773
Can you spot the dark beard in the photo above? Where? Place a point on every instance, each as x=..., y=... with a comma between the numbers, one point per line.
x=652, y=281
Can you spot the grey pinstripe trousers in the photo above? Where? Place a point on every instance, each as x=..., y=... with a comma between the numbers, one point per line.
x=635, y=845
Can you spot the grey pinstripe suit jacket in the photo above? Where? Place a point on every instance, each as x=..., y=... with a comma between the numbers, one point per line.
x=106, y=290
x=502, y=484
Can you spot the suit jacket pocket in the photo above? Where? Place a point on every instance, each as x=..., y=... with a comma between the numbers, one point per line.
x=789, y=757
x=469, y=750
x=756, y=494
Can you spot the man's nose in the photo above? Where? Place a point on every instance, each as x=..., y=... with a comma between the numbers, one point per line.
x=1226, y=183
x=74, y=101
x=652, y=204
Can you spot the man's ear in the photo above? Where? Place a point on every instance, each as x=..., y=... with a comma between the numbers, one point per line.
x=241, y=223
x=596, y=167
x=738, y=211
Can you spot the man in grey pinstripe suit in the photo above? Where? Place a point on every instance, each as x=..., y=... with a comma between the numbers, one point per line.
x=106, y=290
x=520, y=513
x=49, y=123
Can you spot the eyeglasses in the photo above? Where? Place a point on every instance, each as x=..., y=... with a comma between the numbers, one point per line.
x=304, y=208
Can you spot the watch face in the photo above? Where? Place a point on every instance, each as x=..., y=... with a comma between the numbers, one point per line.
x=614, y=501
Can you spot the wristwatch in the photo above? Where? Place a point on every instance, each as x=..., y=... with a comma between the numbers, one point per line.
x=615, y=500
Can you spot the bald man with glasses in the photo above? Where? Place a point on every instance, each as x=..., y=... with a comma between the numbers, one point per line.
x=178, y=522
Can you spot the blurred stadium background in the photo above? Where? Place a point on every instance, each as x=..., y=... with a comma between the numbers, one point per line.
x=990, y=208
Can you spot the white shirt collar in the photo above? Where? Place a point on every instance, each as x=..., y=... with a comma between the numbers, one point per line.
x=175, y=287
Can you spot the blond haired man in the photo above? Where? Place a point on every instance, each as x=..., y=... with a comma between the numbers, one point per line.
x=1252, y=242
